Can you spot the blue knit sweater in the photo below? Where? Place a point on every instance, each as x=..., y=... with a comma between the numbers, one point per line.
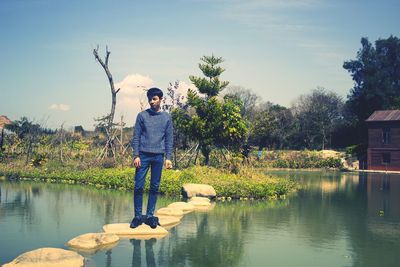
x=153, y=133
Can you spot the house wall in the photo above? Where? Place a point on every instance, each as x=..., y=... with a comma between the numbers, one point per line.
x=375, y=161
x=375, y=135
x=377, y=149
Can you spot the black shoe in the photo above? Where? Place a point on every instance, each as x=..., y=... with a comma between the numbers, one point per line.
x=152, y=221
x=136, y=222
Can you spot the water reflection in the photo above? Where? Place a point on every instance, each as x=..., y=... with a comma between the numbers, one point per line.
x=16, y=201
x=335, y=219
x=362, y=208
x=137, y=252
x=219, y=243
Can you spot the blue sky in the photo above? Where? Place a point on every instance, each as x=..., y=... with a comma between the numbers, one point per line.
x=279, y=49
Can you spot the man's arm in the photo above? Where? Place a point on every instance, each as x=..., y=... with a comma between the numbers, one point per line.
x=169, y=143
x=136, y=140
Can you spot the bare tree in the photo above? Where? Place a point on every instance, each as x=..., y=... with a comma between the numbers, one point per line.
x=108, y=120
x=250, y=101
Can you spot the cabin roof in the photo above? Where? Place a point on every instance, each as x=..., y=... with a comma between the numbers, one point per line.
x=4, y=120
x=385, y=115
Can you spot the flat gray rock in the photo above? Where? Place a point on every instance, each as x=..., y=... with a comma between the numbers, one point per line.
x=142, y=231
x=48, y=257
x=93, y=240
x=199, y=190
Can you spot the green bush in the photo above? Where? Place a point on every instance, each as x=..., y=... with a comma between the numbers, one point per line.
x=38, y=160
x=297, y=160
x=248, y=183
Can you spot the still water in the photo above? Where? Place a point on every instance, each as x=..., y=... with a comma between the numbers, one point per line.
x=336, y=219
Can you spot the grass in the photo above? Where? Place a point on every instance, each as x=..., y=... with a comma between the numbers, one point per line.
x=248, y=183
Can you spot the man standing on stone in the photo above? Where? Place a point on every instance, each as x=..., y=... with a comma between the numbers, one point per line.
x=152, y=140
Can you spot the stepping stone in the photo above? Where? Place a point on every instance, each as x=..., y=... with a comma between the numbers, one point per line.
x=169, y=212
x=205, y=199
x=168, y=220
x=201, y=206
x=197, y=203
x=141, y=232
x=184, y=206
x=46, y=257
x=92, y=240
x=201, y=190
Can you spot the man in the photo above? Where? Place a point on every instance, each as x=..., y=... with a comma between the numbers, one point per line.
x=153, y=138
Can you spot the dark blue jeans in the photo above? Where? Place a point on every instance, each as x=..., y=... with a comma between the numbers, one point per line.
x=155, y=162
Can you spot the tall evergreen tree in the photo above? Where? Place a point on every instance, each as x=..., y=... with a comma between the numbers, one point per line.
x=376, y=76
x=216, y=122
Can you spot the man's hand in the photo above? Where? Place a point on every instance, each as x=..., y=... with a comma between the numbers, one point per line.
x=137, y=162
x=168, y=164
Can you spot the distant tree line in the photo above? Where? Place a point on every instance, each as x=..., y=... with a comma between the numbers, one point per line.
x=210, y=120
x=319, y=120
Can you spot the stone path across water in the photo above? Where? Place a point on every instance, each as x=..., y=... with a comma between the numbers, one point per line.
x=168, y=217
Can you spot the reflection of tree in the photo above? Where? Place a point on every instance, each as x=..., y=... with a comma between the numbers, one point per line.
x=217, y=241
x=374, y=236
x=349, y=214
x=17, y=199
x=352, y=209
x=349, y=205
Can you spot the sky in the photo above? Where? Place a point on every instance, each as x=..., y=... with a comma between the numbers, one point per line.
x=278, y=49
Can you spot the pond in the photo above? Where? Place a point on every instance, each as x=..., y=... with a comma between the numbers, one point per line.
x=336, y=219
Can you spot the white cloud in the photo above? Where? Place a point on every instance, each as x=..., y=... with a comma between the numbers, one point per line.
x=133, y=85
x=61, y=107
x=131, y=98
x=132, y=91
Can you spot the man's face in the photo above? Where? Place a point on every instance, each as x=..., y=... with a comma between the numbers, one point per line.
x=155, y=103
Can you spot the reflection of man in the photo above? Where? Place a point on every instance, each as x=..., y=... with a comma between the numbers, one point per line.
x=137, y=254
x=152, y=139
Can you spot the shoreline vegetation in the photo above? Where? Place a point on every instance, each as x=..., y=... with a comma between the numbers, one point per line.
x=247, y=181
x=249, y=184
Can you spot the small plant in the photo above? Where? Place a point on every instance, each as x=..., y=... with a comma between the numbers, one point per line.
x=2, y=155
x=108, y=163
x=38, y=160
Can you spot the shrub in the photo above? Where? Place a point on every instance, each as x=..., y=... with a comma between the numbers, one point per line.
x=298, y=160
x=247, y=183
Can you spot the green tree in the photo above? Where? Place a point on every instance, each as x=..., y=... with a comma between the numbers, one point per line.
x=246, y=99
x=283, y=124
x=261, y=129
x=376, y=76
x=27, y=131
x=316, y=117
x=215, y=122
x=271, y=126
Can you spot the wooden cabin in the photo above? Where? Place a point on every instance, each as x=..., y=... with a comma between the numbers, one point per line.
x=384, y=140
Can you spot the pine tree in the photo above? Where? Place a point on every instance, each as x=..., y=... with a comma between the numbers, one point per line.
x=216, y=122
